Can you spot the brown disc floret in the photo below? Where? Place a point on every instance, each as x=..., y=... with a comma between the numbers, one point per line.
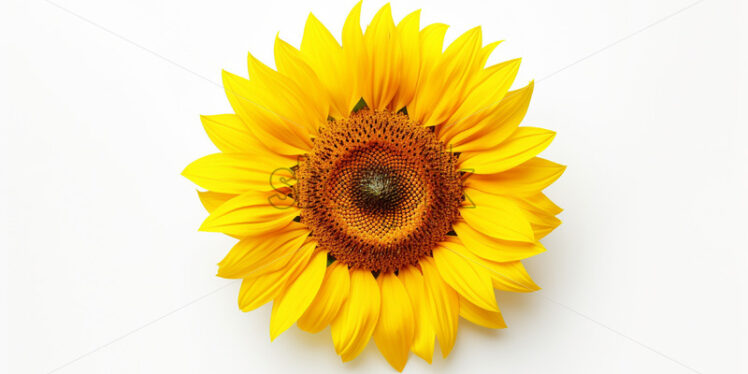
x=378, y=191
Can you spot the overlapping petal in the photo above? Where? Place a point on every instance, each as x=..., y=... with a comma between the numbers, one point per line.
x=291, y=304
x=444, y=305
x=259, y=254
x=479, y=104
x=396, y=324
x=524, y=144
x=252, y=213
x=507, y=276
x=470, y=281
x=380, y=76
x=407, y=41
x=332, y=294
x=266, y=115
x=231, y=135
x=446, y=85
x=541, y=202
x=424, y=334
x=257, y=290
x=290, y=63
x=487, y=126
x=525, y=179
x=479, y=316
x=237, y=173
x=355, y=323
x=494, y=249
x=496, y=216
x=325, y=56
x=212, y=200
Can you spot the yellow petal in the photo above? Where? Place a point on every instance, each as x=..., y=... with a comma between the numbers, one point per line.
x=480, y=316
x=423, y=340
x=507, y=276
x=543, y=225
x=470, y=281
x=292, y=303
x=510, y=276
x=447, y=84
x=325, y=56
x=542, y=203
x=264, y=113
x=236, y=173
x=357, y=319
x=522, y=145
x=252, y=213
x=407, y=40
x=431, y=39
x=542, y=222
x=490, y=126
x=332, y=293
x=461, y=61
x=396, y=325
x=496, y=216
x=230, y=134
x=380, y=83
x=486, y=94
x=291, y=63
x=483, y=56
x=355, y=55
x=444, y=306
x=528, y=178
x=212, y=200
x=494, y=249
x=263, y=253
x=255, y=291
x=289, y=101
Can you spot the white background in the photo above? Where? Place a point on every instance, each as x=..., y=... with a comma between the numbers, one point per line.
x=103, y=269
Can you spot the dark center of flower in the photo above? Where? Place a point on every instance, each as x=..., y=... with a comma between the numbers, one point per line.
x=378, y=191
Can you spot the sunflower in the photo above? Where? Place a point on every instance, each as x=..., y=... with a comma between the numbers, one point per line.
x=383, y=187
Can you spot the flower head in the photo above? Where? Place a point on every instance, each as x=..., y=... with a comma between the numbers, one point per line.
x=383, y=187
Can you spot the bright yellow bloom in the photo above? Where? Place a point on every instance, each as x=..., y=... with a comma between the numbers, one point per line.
x=382, y=187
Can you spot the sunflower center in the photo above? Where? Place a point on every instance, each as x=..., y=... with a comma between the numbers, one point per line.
x=378, y=191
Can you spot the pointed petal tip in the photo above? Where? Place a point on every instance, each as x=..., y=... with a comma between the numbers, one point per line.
x=532, y=286
x=416, y=13
x=205, y=226
x=251, y=58
x=356, y=10
x=227, y=78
